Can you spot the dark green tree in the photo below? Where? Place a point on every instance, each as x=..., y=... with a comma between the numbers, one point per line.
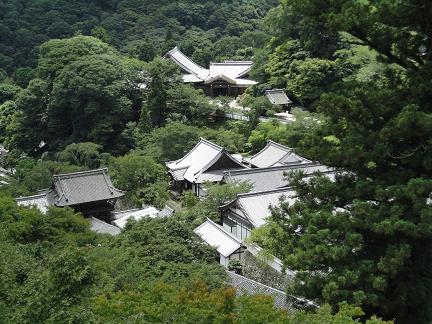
x=163, y=75
x=366, y=237
x=84, y=154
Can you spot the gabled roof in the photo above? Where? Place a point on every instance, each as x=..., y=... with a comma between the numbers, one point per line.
x=263, y=179
x=82, y=187
x=167, y=211
x=191, y=78
x=277, y=97
x=256, y=206
x=39, y=201
x=232, y=69
x=216, y=236
x=222, y=77
x=228, y=71
x=187, y=64
x=199, y=160
x=122, y=217
x=102, y=227
x=274, y=154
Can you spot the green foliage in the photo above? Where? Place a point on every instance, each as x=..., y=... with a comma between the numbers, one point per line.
x=170, y=142
x=101, y=33
x=28, y=125
x=89, y=102
x=307, y=79
x=265, y=131
x=144, y=49
x=216, y=195
x=168, y=23
x=7, y=110
x=83, y=154
x=163, y=75
x=259, y=106
x=86, y=92
x=236, y=266
x=169, y=99
x=279, y=61
x=365, y=237
x=56, y=54
x=8, y=92
x=189, y=199
x=22, y=76
x=155, y=194
x=31, y=175
x=143, y=179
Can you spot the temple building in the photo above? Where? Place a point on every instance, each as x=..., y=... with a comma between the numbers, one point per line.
x=89, y=192
x=263, y=179
x=229, y=78
x=206, y=162
x=275, y=154
x=228, y=246
x=250, y=210
x=278, y=97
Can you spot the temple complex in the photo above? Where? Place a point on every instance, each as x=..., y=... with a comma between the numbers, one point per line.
x=228, y=78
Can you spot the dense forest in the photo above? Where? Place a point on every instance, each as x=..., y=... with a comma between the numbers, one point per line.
x=84, y=84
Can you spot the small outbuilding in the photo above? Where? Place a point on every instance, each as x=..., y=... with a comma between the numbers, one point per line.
x=227, y=245
x=280, y=98
x=250, y=210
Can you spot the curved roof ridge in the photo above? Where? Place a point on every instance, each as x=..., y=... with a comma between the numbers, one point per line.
x=223, y=151
x=220, y=76
x=292, y=153
x=271, y=142
x=275, y=90
x=78, y=173
x=211, y=143
x=255, y=193
x=265, y=192
x=21, y=198
x=187, y=58
x=232, y=62
x=202, y=140
x=271, y=168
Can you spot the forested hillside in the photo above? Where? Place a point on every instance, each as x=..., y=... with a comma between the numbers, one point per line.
x=206, y=30
x=85, y=85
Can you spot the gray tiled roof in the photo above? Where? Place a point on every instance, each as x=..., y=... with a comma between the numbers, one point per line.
x=256, y=206
x=274, y=154
x=248, y=286
x=229, y=71
x=263, y=179
x=39, y=201
x=166, y=212
x=82, y=187
x=186, y=64
x=199, y=160
x=101, y=227
x=277, y=97
x=218, y=237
